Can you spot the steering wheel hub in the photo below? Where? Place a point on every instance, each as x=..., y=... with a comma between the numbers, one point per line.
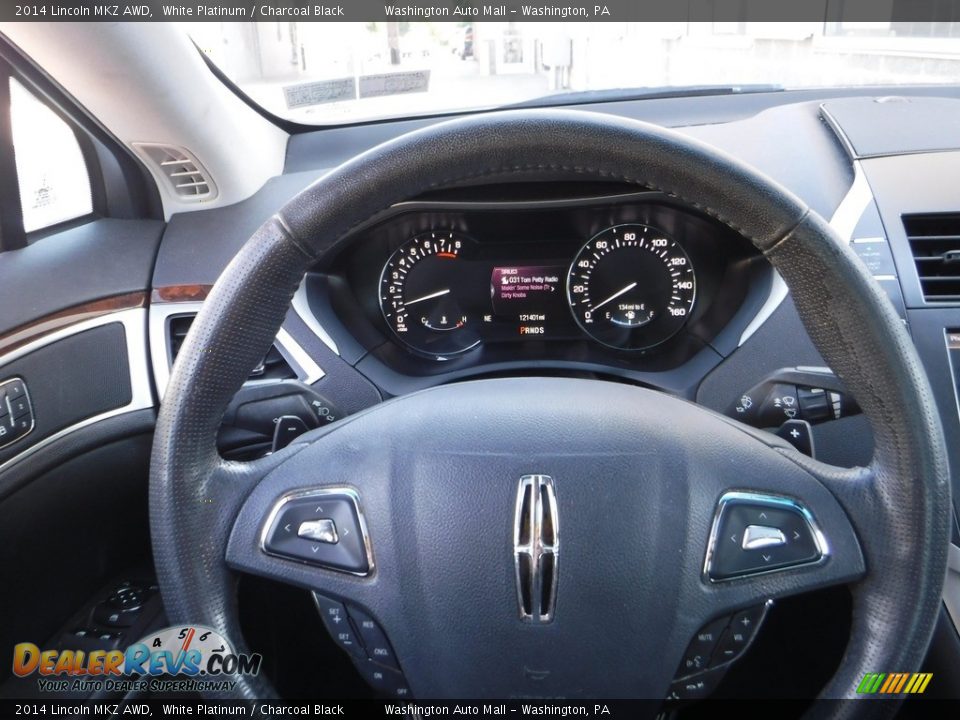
x=635, y=481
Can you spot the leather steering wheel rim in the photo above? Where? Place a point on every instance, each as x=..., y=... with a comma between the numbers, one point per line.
x=904, y=494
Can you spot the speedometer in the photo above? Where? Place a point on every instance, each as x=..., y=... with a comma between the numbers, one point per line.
x=631, y=287
x=422, y=294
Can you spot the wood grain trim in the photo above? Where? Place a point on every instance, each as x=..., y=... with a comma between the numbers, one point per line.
x=181, y=293
x=27, y=333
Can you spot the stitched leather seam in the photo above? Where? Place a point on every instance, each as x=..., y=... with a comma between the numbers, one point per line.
x=286, y=230
x=786, y=236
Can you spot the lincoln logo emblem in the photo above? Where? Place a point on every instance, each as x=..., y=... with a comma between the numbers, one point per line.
x=536, y=544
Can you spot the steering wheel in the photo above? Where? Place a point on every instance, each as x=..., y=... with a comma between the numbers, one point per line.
x=610, y=502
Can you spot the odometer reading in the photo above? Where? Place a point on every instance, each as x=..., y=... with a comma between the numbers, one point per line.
x=631, y=287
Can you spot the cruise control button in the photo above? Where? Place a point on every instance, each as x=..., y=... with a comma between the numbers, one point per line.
x=697, y=656
x=378, y=647
x=385, y=681
x=337, y=622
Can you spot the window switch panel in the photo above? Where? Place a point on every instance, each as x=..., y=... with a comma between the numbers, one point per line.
x=16, y=412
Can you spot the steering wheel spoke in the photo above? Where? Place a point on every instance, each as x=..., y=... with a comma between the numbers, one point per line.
x=313, y=537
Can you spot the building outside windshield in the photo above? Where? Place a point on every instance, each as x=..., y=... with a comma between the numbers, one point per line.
x=333, y=73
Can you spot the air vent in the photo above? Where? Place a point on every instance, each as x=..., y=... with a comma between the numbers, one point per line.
x=186, y=177
x=177, y=330
x=935, y=242
x=273, y=367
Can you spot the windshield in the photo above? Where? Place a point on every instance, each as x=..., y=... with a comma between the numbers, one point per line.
x=332, y=73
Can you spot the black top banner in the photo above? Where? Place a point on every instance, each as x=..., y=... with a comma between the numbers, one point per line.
x=736, y=11
x=328, y=709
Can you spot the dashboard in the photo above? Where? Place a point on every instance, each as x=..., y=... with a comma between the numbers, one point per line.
x=575, y=279
x=492, y=284
x=573, y=275
x=733, y=327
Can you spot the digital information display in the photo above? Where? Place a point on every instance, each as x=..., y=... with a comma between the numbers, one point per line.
x=530, y=297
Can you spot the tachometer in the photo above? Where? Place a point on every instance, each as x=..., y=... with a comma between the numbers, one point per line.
x=631, y=287
x=420, y=294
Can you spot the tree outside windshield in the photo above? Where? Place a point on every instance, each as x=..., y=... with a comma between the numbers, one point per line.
x=332, y=73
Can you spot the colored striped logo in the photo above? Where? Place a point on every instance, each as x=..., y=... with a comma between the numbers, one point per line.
x=894, y=683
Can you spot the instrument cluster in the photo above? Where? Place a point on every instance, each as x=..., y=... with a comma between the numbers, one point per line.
x=629, y=287
x=631, y=279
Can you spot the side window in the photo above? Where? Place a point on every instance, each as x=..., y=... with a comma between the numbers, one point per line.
x=53, y=177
